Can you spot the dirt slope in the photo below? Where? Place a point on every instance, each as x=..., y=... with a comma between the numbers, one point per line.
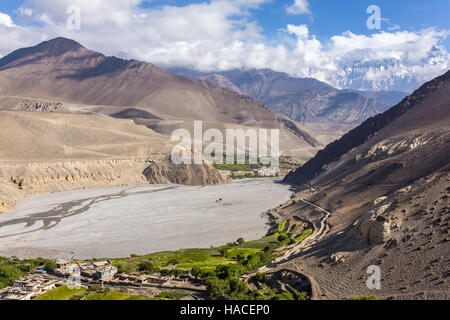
x=44, y=152
x=300, y=99
x=387, y=185
x=64, y=71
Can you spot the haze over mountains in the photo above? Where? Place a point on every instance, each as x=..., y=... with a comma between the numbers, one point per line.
x=387, y=186
x=301, y=99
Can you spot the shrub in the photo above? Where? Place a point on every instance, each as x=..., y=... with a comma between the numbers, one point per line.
x=172, y=262
x=284, y=296
x=237, y=286
x=260, y=277
x=196, y=272
x=253, y=262
x=282, y=237
x=146, y=266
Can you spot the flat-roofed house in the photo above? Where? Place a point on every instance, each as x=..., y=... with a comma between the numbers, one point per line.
x=19, y=295
x=105, y=273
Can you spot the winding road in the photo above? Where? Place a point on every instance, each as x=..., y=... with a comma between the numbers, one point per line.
x=319, y=233
x=293, y=251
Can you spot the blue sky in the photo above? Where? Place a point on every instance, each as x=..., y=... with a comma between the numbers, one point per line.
x=328, y=17
x=307, y=38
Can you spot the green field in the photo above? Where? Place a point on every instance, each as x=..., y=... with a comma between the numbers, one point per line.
x=262, y=243
x=60, y=293
x=219, y=267
x=116, y=296
x=235, y=167
x=304, y=235
x=183, y=261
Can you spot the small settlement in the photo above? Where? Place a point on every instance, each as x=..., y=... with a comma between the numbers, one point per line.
x=87, y=274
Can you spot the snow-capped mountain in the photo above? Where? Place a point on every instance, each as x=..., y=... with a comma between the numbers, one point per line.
x=361, y=71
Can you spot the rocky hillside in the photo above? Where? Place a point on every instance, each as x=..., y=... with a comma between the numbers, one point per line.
x=386, y=185
x=420, y=100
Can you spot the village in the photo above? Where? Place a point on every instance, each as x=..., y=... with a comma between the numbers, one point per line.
x=95, y=274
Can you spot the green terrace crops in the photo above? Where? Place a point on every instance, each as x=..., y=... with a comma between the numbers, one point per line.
x=208, y=259
x=61, y=293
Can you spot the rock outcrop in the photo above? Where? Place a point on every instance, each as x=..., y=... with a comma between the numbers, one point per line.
x=5, y=206
x=168, y=172
x=375, y=231
x=18, y=182
x=40, y=106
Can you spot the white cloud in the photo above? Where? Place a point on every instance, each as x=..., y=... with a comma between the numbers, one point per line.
x=299, y=7
x=5, y=20
x=215, y=35
x=300, y=31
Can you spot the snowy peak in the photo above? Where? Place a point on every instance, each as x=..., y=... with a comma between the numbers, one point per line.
x=362, y=71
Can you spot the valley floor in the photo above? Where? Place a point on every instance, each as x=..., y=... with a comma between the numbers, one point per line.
x=117, y=222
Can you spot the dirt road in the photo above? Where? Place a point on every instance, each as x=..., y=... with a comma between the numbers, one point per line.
x=320, y=231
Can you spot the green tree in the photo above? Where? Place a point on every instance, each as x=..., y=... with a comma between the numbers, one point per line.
x=217, y=287
x=237, y=286
x=146, y=267
x=8, y=274
x=260, y=277
x=228, y=271
x=253, y=261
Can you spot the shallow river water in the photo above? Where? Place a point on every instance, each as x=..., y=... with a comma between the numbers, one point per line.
x=119, y=221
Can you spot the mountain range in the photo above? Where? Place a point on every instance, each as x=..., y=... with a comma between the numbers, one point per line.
x=63, y=71
x=304, y=100
x=363, y=70
x=83, y=119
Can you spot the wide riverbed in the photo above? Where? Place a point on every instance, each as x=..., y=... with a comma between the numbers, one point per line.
x=119, y=221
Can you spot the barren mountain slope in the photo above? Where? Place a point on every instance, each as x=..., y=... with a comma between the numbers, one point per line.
x=43, y=152
x=301, y=99
x=64, y=71
x=387, y=186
